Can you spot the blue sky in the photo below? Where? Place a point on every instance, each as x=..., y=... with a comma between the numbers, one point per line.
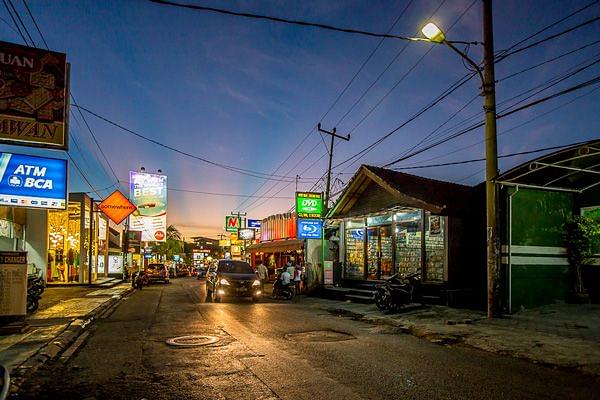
x=245, y=92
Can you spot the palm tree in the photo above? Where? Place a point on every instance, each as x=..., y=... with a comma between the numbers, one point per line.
x=173, y=233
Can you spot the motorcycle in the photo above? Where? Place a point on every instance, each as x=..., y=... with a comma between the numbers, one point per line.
x=138, y=280
x=398, y=291
x=35, y=288
x=4, y=382
x=285, y=292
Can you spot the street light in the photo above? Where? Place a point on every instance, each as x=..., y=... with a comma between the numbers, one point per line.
x=436, y=35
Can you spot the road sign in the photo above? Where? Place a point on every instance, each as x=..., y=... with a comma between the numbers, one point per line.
x=232, y=223
x=310, y=228
x=309, y=205
x=117, y=207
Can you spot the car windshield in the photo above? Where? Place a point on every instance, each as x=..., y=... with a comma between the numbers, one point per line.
x=235, y=267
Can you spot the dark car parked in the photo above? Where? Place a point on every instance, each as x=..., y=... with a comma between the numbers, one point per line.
x=231, y=278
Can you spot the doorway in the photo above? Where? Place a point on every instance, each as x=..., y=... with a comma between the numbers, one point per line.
x=379, y=251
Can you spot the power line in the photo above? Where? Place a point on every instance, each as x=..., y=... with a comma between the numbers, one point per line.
x=294, y=22
x=15, y=22
x=21, y=21
x=35, y=23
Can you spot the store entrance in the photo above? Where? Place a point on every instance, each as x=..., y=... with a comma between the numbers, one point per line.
x=379, y=251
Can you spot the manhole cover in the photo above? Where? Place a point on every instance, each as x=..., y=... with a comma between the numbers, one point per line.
x=319, y=336
x=192, y=340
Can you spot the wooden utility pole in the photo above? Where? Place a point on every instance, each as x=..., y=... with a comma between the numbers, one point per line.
x=491, y=159
x=333, y=135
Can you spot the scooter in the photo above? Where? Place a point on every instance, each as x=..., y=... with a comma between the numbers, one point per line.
x=398, y=291
x=138, y=280
x=4, y=382
x=281, y=291
x=35, y=288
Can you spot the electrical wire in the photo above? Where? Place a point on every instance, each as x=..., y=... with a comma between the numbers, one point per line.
x=21, y=21
x=35, y=23
x=15, y=22
x=295, y=22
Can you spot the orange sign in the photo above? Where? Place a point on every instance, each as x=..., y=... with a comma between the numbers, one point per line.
x=117, y=207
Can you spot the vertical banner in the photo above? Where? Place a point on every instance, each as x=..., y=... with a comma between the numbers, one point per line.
x=13, y=283
x=148, y=192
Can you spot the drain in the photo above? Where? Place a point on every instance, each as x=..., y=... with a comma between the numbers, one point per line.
x=192, y=340
x=319, y=336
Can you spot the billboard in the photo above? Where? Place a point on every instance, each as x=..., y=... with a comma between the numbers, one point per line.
x=310, y=228
x=33, y=97
x=148, y=192
x=31, y=181
x=253, y=223
x=246, y=234
x=309, y=205
x=232, y=223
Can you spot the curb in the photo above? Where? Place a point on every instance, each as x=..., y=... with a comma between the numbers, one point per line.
x=60, y=343
x=466, y=338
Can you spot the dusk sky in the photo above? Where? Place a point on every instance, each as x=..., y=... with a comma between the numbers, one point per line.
x=244, y=93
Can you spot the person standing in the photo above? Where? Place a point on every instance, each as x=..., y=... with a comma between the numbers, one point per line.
x=262, y=272
x=297, y=278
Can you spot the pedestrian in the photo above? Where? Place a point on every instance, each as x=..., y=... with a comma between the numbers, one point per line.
x=290, y=268
x=263, y=273
x=297, y=278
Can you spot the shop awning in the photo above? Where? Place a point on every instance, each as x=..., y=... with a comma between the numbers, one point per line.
x=276, y=246
x=574, y=169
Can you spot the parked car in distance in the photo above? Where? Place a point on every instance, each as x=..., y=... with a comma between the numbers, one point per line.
x=157, y=272
x=232, y=278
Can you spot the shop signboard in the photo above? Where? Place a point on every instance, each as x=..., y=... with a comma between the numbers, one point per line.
x=254, y=223
x=358, y=234
x=35, y=97
x=224, y=243
x=31, y=181
x=309, y=204
x=232, y=223
x=13, y=283
x=134, y=239
x=310, y=228
x=115, y=264
x=328, y=273
x=148, y=192
x=246, y=234
x=117, y=207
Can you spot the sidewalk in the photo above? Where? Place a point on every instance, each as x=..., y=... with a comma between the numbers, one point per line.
x=62, y=317
x=561, y=335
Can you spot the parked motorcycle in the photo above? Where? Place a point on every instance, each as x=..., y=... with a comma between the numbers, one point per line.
x=138, y=280
x=398, y=291
x=35, y=288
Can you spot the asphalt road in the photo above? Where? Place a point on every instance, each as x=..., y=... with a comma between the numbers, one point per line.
x=279, y=350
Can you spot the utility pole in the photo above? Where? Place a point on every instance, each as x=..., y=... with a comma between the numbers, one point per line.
x=297, y=178
x=333, y=135
x=91, y=242
x=491, y=159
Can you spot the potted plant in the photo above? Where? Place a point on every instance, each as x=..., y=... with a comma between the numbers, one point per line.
x=581, y=232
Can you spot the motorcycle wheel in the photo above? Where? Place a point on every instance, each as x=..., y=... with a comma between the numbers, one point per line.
x=382, y=301
x=288, y=294
x=32, y=304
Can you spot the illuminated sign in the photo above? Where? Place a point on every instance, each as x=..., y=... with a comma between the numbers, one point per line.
x=309, y=205
x=358, y=234
x=246, y=234
x=232, y=223
x=30, y=181
x=148, y=192
x=34, y=95
x=117, y=207
x=310, y=228
x=254, y=223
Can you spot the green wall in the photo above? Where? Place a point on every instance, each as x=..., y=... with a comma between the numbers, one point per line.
x=538, y=219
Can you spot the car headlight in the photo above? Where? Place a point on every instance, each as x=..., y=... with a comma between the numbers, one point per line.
x=224, y=281
x=256, y=283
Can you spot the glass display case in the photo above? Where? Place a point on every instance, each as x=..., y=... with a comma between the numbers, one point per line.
x=355, y=253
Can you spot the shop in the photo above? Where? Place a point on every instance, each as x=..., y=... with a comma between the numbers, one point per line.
x=387, y=222
x=537, y=198
x=77, y=242
x=279, y=244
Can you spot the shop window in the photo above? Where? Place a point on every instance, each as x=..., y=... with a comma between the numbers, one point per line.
x=435, y=247
x=64, y=244
x=355, y=255
x=408, y=229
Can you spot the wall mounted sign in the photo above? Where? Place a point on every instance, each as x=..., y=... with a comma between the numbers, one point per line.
x=310, y=228
x=31, y=181
x=34, y=97
x=232, y=223
x=358, y=234
x=117, y=207
x=13, y=283
x=148, y=192
x=309, y=205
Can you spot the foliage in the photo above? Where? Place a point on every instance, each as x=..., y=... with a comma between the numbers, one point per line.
x=172, y=246
x=581, y=233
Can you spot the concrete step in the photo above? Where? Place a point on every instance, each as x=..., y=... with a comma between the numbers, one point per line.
x=355, y=298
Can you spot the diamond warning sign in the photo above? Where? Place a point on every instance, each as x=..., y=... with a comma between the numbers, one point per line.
x=117, y=207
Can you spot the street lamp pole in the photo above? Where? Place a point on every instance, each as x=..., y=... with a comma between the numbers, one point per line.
x=488, y=83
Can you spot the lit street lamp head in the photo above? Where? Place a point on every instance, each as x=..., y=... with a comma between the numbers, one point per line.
x=433, y=33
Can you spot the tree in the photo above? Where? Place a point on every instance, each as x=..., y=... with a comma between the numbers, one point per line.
x=172, y=246
x=581, y=235
x=173, y=233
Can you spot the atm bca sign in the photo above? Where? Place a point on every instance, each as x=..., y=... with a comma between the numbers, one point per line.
x=232, y=223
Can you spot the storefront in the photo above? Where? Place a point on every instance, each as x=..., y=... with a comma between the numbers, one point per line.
x=537, y=199
x=390, y=222
x=76, y=237
x=279, y=244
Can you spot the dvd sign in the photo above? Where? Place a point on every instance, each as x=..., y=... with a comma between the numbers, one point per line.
x=31, y=181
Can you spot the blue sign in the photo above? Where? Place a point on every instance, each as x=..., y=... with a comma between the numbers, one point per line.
x=310, y=228
x=253, y=223
x=358, y=234
x=31, y=181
